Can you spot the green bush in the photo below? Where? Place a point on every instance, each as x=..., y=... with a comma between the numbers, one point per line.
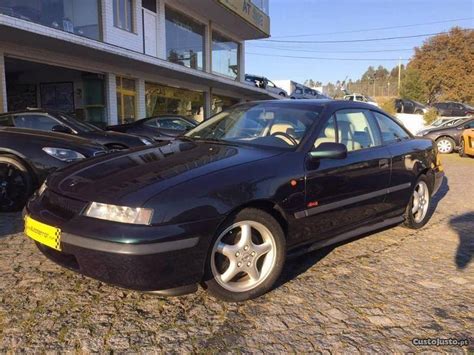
x=430, y=116
x=388, y=105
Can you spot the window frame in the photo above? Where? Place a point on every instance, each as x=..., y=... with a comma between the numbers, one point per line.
x=384, y=143
x=116, y=15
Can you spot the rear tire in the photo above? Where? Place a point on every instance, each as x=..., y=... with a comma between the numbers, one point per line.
x=246, y=257
x=16, y=184
x=416, y=214
x=445, y=145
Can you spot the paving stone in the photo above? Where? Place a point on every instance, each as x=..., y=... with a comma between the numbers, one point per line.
x=374, y=294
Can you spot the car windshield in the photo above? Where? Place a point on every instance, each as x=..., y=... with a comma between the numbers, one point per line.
x=262, y=124
x=77, y=125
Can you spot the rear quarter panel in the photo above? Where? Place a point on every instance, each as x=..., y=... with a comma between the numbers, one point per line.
x=410, y=159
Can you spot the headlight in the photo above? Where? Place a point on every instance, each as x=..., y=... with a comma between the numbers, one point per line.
x=64, y=154
x=146, y=141
x=120, y=214
x=42, y=189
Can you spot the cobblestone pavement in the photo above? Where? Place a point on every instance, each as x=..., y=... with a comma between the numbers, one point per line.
x=373, y=294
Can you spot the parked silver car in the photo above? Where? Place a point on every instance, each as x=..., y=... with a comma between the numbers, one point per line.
x=265, y=83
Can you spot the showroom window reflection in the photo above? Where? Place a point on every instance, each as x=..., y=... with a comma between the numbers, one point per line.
x=80, y=17
x=225, y=56
x=165, y=100
x=184, y=40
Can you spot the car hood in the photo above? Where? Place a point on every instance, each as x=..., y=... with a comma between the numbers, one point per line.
x=131, y=178
x=66, y=140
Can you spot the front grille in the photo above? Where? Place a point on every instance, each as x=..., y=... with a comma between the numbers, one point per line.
x=62, y=206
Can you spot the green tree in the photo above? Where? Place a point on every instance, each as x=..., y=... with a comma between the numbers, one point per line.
x=412, y=86
x=445, y=66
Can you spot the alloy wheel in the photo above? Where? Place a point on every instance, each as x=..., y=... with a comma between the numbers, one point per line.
x=445, y=146
x=421, y=201
x=243, y=256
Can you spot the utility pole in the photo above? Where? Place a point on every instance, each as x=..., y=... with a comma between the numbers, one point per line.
x=399, y=74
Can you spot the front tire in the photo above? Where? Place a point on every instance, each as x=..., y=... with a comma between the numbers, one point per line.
x=416, y=214
x=445, y=145
x=246, y=257
x=16, y=184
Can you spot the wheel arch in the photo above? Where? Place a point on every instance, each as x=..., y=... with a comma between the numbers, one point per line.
x=22, y=159
x=268, y=206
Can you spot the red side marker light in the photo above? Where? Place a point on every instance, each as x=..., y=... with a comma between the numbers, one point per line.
x=313, y=204
x=293, y=183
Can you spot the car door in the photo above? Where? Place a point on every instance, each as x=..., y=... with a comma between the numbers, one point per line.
x=342, y=194
x=401, y=148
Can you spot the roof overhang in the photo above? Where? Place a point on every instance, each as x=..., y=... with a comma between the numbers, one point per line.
x=245, y=19
x=20, y=33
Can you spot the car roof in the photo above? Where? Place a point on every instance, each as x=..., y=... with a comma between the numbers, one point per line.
x=332, y=104
x=30, y=110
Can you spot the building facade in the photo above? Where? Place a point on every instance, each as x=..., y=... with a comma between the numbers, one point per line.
x=114, y=61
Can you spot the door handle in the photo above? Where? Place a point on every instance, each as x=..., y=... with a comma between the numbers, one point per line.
x=383, y=163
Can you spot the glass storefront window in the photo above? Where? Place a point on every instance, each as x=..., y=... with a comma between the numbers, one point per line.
x=225, y=56
x=162, y=100
x=221, y=103
x=80, y=17
x=184, y=40
x=126, y=100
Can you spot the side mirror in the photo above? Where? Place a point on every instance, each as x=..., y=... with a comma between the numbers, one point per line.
x=329, y=151
x=62, y=129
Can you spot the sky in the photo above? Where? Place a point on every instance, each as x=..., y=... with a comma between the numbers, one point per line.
x=357, y=19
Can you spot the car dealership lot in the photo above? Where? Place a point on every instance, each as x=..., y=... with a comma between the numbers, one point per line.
x=375, y=293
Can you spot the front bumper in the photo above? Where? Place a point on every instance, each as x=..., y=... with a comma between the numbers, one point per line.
x=174, y=259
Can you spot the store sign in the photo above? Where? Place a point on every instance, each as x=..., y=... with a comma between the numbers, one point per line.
x=249, y=12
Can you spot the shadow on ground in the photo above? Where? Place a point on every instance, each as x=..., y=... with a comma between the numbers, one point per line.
x=464, y=226
x=10, y=223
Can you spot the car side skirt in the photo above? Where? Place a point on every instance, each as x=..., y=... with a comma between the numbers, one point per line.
x=344, y=236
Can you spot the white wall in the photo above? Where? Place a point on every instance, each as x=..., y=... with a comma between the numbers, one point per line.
x=119, y=37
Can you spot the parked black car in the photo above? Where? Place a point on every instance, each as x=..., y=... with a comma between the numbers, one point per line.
x=52, y=121
x=409, y=106
x=27, y=157
x=447, y=137
x=453, y=109
x=159, y=128
x=225, y=204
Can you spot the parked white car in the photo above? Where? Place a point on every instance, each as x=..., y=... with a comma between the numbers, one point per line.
x=361, y=98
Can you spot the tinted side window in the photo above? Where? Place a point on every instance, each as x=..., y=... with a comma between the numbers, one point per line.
x=391, y=131
x=35, y=121
x=356, y=130
x=469, y=124
x=173, y=123
x=6, y=121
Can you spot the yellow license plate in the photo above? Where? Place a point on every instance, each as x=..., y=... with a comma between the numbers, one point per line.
x=42, y=233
